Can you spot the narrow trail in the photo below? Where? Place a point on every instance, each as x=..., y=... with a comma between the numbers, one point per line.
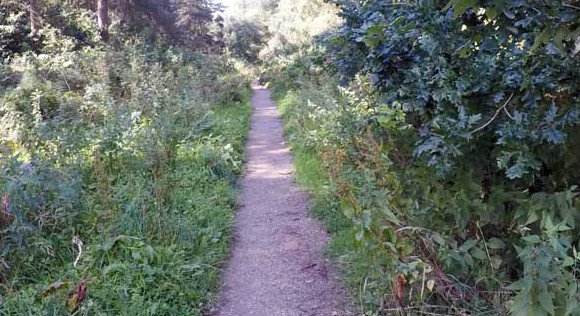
x=277, y=267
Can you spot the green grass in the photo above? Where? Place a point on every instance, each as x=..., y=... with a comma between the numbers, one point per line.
x=146, y=252
x=360, y=271
x=311, y=177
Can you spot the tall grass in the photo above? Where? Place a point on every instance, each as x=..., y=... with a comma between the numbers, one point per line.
x=118, y=172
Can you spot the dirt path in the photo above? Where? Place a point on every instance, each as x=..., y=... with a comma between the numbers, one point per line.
x=276, y=268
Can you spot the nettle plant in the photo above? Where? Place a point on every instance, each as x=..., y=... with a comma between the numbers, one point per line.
x=490, y=91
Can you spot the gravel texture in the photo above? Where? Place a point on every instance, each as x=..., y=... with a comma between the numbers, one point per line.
x=276, y=267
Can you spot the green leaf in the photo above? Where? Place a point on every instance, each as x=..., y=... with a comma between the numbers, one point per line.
x=559, y=39
x=398, y=20
x=491, y=13
x=542, y=38
x=515, y=171
x=509, y=14
x=546, y=300
x=460, y=6
x=464, y=52
x=108, y=245
x=191, y=266
x=468, y=259
x=518, y=285
x=438, y=239
x=477, y=253
x=568, y=262
x=408, y=27
x=496, y=262
x=470, y=243
x=374, y=34
x=532, y=239
x=549, y=225
x=495, y=243
x=347, y=208
x=503, y=161
x=390, y=216
x=376, y=29
x=533, y=216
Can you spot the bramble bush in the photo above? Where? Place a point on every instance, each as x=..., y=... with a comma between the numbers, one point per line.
x=448, y=133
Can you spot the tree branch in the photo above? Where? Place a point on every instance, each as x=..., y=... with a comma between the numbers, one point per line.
x=571, y=6
x=494, y=115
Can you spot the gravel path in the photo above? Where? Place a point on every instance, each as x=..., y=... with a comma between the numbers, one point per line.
x=276, y=268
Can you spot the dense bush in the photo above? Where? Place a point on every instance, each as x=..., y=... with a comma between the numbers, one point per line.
x=452, y=148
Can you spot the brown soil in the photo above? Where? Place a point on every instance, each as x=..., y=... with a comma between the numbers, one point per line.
x=277, y=267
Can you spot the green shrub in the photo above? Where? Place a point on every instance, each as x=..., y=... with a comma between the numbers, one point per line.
x=117, y=172
x=418, y=241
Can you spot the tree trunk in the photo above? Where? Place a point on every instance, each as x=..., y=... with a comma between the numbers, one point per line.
x=103, y=19
x=34, y=17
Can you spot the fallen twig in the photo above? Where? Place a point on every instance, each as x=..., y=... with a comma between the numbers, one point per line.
x=308, y=267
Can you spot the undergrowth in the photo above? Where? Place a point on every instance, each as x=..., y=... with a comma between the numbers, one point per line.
x=446, y=132
x=408, y=242
x=118, y=168
x=151, y=245
x=311, y=175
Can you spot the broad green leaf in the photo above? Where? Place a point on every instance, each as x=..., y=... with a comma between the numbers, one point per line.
x=398, y=20
x=438, y=239
x=191, y=266
x=477, y=253
x=568, y=262
x=495, y=243
x=496, y=262
x=390, y=216
x=532, y=239
x=470, y=243
x=517, y=286
x=465, y=51
x=516, y=171
x=546, y=300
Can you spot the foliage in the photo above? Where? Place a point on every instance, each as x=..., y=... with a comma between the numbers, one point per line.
x=186, y=22
x=489, y=87
x=295, y=24
x=117, y=171
x=482, y=69
x=274, y=29
x=245, y=39
x=182, y=22
x=448, y=137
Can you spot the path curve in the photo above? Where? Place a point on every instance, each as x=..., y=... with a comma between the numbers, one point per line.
x=277, y=267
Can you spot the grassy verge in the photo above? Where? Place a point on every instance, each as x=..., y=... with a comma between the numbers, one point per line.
x=154, y=242
x=311, y=177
